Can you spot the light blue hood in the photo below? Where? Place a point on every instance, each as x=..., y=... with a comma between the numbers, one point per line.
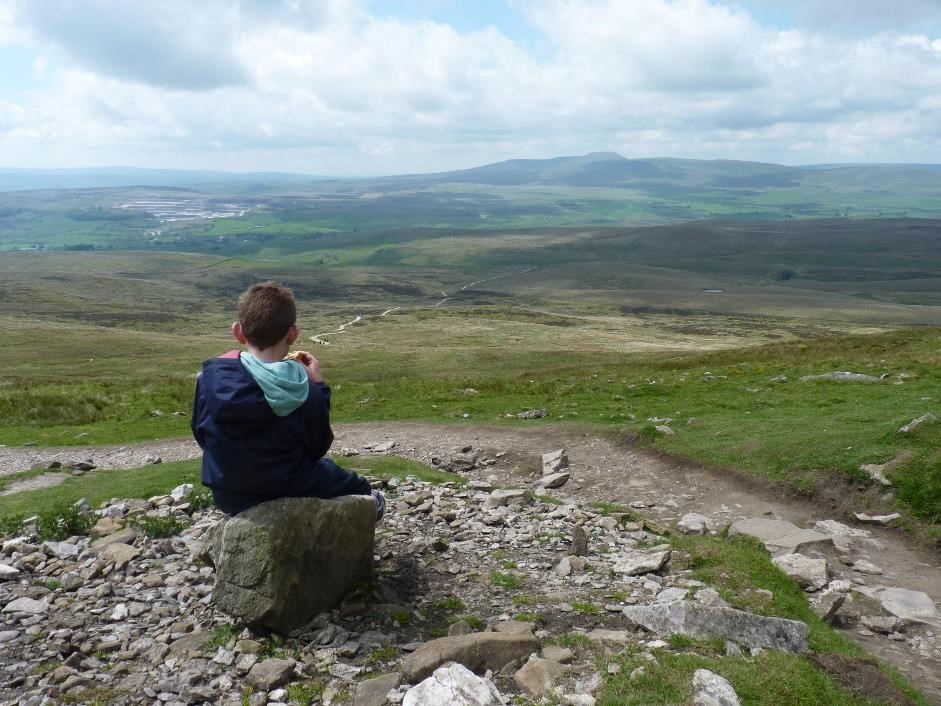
x=284, y=383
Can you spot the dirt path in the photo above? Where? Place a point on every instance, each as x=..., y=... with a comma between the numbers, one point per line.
x=603, y=470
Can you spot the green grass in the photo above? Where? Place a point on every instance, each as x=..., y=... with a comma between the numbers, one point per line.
x=771, y=679
x=506, y=580
x=99, y=486
x=737, y=567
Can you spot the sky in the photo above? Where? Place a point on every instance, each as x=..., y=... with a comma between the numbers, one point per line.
x=369, y=87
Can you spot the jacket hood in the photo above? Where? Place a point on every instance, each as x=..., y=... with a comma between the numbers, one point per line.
x=284, y=383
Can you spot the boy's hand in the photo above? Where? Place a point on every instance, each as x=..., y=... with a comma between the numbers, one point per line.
x=311, y=365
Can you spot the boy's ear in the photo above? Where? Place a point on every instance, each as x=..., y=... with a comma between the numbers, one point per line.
x=293, y=333
x=238, y=333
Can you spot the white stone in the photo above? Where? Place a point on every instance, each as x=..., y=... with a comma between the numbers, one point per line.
x=832, y=527
x=671, y=595
x=778, y=536
x=636, y=563
x=809, y=573
x=866, y=567
x=876, y=519
x=554, y=461
x=384, y=447
x=181, y=492
x=8, y=572
x=555, y=480
x=709, y=689
x=911, y=606
x=915, y=423
x=455, y=685
x=27, y=605
x=693, y=523
x=63, y=550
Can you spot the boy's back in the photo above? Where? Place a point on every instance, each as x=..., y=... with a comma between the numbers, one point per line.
x=264, y=424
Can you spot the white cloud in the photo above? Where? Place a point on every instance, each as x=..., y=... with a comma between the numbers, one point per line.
x=325, y=87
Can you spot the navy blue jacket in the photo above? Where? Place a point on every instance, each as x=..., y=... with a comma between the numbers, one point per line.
x=251, y=455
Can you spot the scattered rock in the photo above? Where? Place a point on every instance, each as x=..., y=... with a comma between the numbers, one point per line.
x=915, y=423
x=640, y=562
x=533, y=414
x=700, y=621
x=372, y=692
x=843, y=376
x=554, y=462
x=827, y=604
x=478, y=652
x=866, y=567
x=537, y=676
x=384, y=447
x=910, y=606
x=811, y=574
x=271, y=673
x=555, y=480
x=709, y=689
x=693, y=523
x=778, y=536
x=876, y=519
x=455, y=685
x=27, y=605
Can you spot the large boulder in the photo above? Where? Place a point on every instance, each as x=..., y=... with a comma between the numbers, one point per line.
x=706, y=622
x=281, y=563
x=778, y=536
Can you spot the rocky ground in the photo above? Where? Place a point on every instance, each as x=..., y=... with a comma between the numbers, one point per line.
x=91, y=621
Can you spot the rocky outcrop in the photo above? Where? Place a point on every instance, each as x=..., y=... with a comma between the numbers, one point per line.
x=281, y=563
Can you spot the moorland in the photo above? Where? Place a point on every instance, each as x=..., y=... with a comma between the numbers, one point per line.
x=617, y=295
x=633, y=313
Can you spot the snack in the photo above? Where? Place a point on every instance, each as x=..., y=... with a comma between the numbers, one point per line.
x=294, y=355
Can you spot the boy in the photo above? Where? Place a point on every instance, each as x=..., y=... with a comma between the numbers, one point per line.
x=262, y=421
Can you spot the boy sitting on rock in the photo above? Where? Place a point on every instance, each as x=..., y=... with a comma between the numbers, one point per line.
x=262, y=421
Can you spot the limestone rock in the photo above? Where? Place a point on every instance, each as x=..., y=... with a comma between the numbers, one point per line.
x=778, y=536
x=104, y=527
x=271, y=673
x=842, y=376
x=455, y=685
x=554, y=462
x=120, y=554
x=693, y=523
x=866, y=567
x=536, y=677
x=910, y=606
x=876, y=519
x=280, y=563
x=372, y=692
x=827, y=604
x=124, y=536
x=506, y=497
x=709, y=689
x=811, y=574
x=637, y=563
x=834, y=528
x=27, y=605
x=700, y=621
x=478, y=652
x=555, y=480
x=915, y=423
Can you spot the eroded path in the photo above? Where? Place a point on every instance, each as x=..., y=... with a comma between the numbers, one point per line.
x=603, y=470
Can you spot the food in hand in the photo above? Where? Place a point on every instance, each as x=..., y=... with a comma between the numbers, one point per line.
x=294, y=355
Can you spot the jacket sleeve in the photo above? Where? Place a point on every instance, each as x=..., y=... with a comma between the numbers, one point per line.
x=196, y=415
x=319, y=434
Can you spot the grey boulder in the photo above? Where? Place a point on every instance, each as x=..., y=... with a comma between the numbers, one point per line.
x=700, y=621
x=478, y=652
x=281, y=563
x=778, y=536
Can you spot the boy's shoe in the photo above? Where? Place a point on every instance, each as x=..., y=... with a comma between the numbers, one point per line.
x=380, y=504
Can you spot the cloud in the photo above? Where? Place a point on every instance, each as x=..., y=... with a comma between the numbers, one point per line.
x=327, y=87
x=166, y=43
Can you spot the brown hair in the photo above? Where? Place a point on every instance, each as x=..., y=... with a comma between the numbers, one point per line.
x=266, y=312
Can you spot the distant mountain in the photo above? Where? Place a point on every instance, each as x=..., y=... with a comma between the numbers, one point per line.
x=104, y=177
